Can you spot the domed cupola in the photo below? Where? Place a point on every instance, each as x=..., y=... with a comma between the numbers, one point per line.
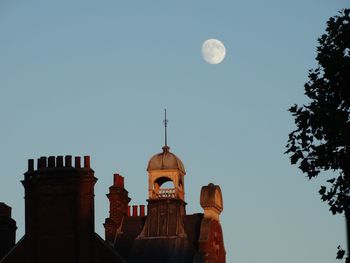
x=166, y=167
x=165, y=161
x=162, y=168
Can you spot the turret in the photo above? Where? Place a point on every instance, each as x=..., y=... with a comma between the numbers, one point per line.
x=166, y=206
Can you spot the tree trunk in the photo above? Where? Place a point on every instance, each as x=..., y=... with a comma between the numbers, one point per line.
x=347, y=219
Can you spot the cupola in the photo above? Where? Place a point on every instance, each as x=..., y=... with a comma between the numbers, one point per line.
x=166, y=167
x=162, y=168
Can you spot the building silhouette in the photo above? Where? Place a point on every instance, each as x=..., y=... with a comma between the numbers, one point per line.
x=59, y=217
x=7, y=230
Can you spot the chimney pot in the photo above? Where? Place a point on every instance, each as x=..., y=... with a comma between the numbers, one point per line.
x=59, y=161
x=118, y=180
x=77, y=162
x=129, y=210
x=30, y=165
x=134, y=210
x=5, y=210
x=51, y=161
x=68, y=160
x=86, y=161
x=142, y=210
x=42, y=162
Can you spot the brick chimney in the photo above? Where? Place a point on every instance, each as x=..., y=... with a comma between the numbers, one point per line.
x=7, y=230
x=118, y=207
x=59, y=210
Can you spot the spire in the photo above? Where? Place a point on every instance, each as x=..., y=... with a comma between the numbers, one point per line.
x=165, y=147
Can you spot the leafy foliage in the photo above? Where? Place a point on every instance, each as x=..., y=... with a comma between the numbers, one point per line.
x=322, y=138
x=321, y=141
x=340, y=253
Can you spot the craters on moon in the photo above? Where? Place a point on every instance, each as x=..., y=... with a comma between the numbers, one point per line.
x=213, y=51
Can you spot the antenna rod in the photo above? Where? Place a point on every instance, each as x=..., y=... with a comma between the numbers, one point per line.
x=165, y=130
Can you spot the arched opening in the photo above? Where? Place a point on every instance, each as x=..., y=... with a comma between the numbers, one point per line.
x=164, y=182
x=164, y=187
x=168, y=184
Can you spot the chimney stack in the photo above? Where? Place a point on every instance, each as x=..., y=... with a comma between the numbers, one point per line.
x=7, y=230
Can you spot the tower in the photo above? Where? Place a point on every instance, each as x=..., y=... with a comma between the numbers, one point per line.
x=163, y=237
x=166, y=206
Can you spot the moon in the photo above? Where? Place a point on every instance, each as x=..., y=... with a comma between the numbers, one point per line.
x=213, y=51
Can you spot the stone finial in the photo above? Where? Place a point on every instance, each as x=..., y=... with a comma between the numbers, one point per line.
x=211, y=201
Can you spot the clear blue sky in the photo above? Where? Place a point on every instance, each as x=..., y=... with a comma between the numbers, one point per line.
x=93, y=77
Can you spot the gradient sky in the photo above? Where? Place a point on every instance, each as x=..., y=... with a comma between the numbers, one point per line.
x=93, y=77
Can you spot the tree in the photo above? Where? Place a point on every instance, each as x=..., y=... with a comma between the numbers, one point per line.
x=321, y=141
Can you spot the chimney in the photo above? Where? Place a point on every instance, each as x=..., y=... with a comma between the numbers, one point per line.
x=7, y=230
x=118, y=207
x=59, y=210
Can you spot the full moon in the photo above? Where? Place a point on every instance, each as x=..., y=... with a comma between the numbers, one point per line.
x=213, y=51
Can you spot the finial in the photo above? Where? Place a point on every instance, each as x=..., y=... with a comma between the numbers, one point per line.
x=165, y=147
x=165, y=129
